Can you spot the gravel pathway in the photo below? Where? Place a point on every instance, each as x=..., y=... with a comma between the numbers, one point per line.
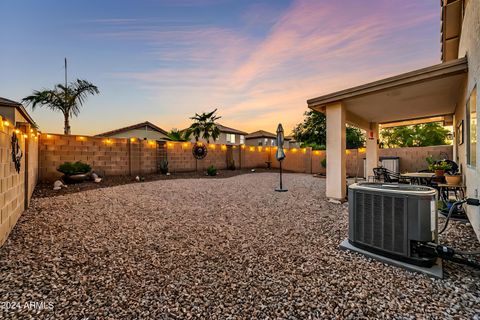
x=225, y=248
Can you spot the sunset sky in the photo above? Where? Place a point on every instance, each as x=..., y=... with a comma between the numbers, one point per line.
x=162, y=61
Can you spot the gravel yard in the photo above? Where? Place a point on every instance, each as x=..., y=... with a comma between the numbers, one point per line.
x=213, y=248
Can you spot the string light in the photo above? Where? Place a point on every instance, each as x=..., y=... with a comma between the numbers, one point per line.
x=25, y=136
x=17, y=131
x=132, y=139
x=224, y=147
x=6, y=123
x=212, y=146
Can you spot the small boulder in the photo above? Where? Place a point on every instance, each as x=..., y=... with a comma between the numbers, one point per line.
x=96, y=178
x=57, y=185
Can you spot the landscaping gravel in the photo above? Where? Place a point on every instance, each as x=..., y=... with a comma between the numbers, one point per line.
x=213, y=249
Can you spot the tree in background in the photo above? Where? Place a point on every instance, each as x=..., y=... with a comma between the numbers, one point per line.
x=66, y=99
x=204, y=126
x=312, y=132
x=177, y=135
x=420, y=135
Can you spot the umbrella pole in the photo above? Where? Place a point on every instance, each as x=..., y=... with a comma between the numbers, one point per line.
x=281, y=181
x=281, y=186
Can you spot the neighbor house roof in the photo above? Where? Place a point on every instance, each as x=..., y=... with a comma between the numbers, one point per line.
x=4, y=102
x=223, y=128
x=260, y=134
x=133, y=127
x=230, y=130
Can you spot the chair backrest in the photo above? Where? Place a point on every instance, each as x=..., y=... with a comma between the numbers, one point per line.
x=379, y=174
x=390, y=176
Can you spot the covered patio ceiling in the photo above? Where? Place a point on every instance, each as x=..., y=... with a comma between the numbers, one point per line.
x=423, y=93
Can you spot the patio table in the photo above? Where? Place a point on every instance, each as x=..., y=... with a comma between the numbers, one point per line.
x=419, y=177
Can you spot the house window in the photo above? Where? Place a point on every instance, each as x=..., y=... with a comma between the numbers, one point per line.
x=242, y=139
x=230, y=138
x=260, y=143
x=472, y=129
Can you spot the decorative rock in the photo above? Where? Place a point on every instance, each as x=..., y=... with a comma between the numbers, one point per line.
x=215, y=249
x=57, y=185
x=96, y=178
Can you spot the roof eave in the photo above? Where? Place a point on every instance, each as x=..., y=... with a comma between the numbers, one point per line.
x=424, y=74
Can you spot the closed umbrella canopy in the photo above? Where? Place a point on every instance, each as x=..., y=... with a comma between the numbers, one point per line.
x=280, y=154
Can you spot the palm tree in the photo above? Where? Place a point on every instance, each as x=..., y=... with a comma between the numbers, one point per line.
x=66, y=99
x=204, y=126
x=177, y=135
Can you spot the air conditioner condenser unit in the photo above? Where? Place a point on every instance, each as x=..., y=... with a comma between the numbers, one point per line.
x=393, y=220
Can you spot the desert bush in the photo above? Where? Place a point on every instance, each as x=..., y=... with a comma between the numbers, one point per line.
x=71, y=168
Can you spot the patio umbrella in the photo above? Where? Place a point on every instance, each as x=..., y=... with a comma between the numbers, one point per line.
x=280, y=154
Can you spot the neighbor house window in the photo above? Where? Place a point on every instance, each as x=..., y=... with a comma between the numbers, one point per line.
x=260, y=143
x=242, y=139
x=230, y=138
x=472, y=129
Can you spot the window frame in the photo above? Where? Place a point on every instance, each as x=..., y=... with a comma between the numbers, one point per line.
x=471, y=157
x=229, y=137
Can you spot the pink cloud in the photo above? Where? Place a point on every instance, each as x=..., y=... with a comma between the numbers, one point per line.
x=313, y=48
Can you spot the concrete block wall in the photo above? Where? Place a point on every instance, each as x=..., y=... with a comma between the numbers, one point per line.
x=14, y=192
x=107, y=156
x=255, y=157
x=116, y=156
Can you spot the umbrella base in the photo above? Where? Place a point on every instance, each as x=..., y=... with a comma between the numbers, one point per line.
x=281, y=190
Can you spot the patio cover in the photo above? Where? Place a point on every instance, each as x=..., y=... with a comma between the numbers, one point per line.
x=423, y=93
x=408, y=98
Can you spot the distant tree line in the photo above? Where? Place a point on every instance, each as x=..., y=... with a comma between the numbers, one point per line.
x=312, y=132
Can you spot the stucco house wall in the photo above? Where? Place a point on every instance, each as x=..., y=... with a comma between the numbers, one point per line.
x=470, y=47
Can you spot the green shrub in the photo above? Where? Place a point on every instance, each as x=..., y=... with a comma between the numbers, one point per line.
x=212, y=170
x=324, y=163
x=70, y=168
x=313, y=145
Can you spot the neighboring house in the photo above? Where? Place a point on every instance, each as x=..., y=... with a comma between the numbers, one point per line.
x=261, y=138
x=290, y=142
x=449, y=89
x=15, y=112
x=227, y=136
x=144, y=130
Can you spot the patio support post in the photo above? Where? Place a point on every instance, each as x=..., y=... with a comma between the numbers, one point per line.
x=336, y=144
x=372, y=149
